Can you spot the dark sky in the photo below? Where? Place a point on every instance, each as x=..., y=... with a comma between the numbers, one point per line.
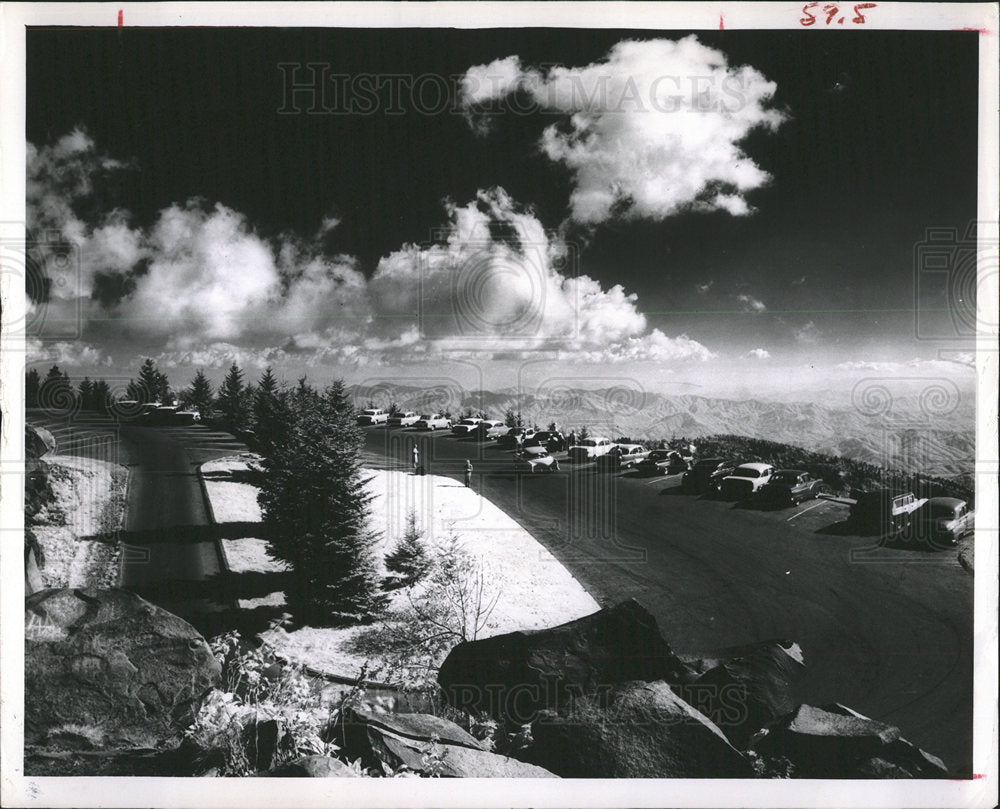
x=880, y=144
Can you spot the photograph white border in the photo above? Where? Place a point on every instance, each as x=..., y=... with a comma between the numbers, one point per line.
x=18, y=790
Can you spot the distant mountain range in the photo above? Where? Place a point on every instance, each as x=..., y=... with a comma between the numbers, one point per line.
x=928, y=434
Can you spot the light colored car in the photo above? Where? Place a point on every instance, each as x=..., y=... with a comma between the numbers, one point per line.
x=466, y=426
x=621, y=457
x=746, y=479
x=432, y=421
x=373, y=415
x=790, y=486
x=533, y=459
x=946, y=519
x=404, y=419
x=491, y=429
x=589, y=448
x=188, y=416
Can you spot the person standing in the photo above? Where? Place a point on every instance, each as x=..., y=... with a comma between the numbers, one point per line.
x=468, y=473
x=416, y=459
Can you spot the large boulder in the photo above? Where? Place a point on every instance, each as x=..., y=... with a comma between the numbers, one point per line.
x=106, y=670
x=745, y=688
x=311, y=767
x=642, y=730
x=424, y=744
x=37, y=442
x=514, y=676
x=837, y=742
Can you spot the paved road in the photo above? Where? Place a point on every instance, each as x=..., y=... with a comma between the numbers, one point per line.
x=169, y=547
x=887, y=631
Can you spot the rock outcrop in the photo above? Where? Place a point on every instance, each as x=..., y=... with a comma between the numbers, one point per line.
x=636, y=730
x=311, y=767
x=837, y=742
x=106, y=670
x=744, y=689
x=37, y=442
x=514, y=676
x=423, y=744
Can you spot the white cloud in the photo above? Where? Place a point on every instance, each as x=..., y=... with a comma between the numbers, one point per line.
x=807, y=333
x=205, y=288
x=758, y=354
x=751, y=304
x=704, y=288
x=652, y=129
x=73, y=354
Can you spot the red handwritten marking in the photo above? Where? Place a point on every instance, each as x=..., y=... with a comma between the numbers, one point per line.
x=722, y=24
x=979, y=775
x=120, y=18
x=984, y=31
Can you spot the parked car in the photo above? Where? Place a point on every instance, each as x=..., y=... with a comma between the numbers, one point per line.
x=663, y=462
x=509, y=440
x=706, y=475
x=371, y=416
x=466, y=426
x=746, y=479
x=790, y=486
x=432, y=421
x=533, y=459
x=884, y=511
x=187, y=416
x=945, y=519
x=552, y=440
x=622, y=457
x=161, y=416
x=405, y=419
x=590, y=448
x=491, y=430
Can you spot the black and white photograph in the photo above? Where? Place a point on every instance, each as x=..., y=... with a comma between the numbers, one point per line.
x=596, y=392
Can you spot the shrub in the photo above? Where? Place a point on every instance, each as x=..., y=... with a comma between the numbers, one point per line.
x=409, y=558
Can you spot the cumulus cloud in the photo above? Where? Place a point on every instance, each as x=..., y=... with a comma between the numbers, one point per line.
x=202, y=284
x=74, y=354
x=758, y=354
x=652, y=129
x=807, y=334
x=703, y=289
x=751, y=304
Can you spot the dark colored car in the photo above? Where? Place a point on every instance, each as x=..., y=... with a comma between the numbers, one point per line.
x=788, y=487
x=552, y=440
x=662, y=462
x=510, y=439
x=706, y=475
x=945, y=520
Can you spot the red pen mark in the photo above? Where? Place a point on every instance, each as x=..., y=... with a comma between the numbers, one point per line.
x=984, y=31
x=978, y=776
x=120, y=18
x=722, y=24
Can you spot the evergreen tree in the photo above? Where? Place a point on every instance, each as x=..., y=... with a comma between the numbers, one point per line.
x=151, y=385
x=269, y=413
x=409, y=558
x=85, y=391
x=316, y=508
x=512, y=418
x=232, y=399
x=101, y=396
x=198, y=395
x=56, y=392
x=32, y=383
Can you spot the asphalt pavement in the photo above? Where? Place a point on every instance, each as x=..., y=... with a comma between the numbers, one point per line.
x=887, y=631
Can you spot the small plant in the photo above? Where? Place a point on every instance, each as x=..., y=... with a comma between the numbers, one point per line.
x=410, y=558
x=432, y=759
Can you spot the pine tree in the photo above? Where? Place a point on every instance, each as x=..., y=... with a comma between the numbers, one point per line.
x=232, y=399
x=86, y=393
x=56, y=394
x=316, y=508
x=151, y=385
x=101, y=396
x=32, y=383
x=199, y=395
x=269, y=415
x=409, y=558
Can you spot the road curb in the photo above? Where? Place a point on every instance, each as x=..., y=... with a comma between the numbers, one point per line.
x=220, y=549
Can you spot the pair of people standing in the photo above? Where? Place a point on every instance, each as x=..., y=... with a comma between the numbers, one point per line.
x=417, y=468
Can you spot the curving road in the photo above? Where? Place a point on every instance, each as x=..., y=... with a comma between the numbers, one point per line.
x=886, y=631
